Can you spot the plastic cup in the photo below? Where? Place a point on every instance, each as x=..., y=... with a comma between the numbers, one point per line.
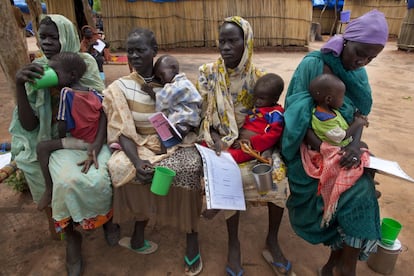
x=262, y=174
x=49, y=79
x=162, y=180
x=390, y=228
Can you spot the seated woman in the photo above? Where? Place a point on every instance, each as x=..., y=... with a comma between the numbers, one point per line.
x=128, y=104
x=227, y=88
x=354, y=229
x=78, y=198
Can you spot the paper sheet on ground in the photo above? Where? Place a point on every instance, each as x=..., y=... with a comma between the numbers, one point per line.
x=5, y=159
x=223, y=181
x=388, y=167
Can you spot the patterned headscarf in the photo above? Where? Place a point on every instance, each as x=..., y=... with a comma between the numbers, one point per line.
x=371, y=28
x=218, y=85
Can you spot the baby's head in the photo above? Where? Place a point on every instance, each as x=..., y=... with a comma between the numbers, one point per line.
x=69, y=68
x=165, y=68
x=327, y=90
x=267, y=90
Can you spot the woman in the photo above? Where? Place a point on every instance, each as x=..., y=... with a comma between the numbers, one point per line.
x=78, y=198
x=90, y=38
x=227, y=87
x=128, y=105
x=354, y=228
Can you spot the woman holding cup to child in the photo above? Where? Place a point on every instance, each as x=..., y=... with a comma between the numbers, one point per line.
x=78, y=198
x=128, y=103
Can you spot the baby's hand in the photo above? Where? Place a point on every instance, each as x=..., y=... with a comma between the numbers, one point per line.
x=89, y=161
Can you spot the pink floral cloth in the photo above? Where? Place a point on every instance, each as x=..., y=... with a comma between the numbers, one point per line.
x=333, y=179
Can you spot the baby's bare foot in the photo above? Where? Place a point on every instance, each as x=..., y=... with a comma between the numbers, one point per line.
x=44, y=201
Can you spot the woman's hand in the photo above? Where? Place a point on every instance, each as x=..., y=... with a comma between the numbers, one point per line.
x=145, y=170
x=29, y=73
x=351, y=156
x=218, y=144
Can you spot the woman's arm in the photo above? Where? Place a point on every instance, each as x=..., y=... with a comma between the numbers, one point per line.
x=144, y=167
x=28, y=73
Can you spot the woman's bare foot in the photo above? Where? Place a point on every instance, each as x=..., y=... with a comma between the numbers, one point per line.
x=234, y=258
x=44, y=201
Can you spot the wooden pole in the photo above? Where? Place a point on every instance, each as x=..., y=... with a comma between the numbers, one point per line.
x=13, y=51
x=88, y=13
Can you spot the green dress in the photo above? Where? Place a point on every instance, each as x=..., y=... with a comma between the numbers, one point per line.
x=356, y=221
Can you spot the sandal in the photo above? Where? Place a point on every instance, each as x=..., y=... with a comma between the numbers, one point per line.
x=148, y=248
x=278, y=268
x=189, y=269
x=230, y=272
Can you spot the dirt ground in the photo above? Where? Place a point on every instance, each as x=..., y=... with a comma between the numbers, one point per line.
x=26, y=249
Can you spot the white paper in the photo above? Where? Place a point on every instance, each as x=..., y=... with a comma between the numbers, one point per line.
x=5, y=159
x=388, y=167
x=100, y=46
x=224, y=187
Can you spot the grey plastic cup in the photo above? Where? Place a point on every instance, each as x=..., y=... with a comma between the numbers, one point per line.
x=262, y=174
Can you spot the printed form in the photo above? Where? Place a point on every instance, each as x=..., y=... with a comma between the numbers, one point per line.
x=223, y=181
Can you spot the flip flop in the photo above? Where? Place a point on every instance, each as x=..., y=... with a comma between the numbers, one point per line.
x=279, y=268
x=148, y=248
x=189, y=263
x=230, y=272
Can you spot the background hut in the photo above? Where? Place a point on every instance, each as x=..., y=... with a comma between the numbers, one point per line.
x=406, y=37
x=394, y=11
x=77, y=11
x=194, y=23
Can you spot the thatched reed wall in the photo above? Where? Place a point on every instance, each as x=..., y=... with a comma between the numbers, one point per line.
x=194, y=23
x=326, y=19
x=406, y=36
x=394, y=11
x=66, y=8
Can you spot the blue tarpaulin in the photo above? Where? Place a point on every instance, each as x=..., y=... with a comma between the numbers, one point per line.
x=21, y=4
x=330, y=4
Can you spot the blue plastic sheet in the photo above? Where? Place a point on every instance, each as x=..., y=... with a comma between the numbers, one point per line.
x=21, y=4
x=330, y=4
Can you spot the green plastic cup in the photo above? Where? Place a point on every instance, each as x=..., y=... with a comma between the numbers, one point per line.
x=49, y=79
x=162, y=180
x=390, y=228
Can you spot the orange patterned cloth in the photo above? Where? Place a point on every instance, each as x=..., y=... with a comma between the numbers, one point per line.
x=333, y=179
x=86, y=224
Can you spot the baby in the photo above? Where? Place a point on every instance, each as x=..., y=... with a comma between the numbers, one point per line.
x=330, y=128
x=179, y=100
x=328, y=92
x=80, y=113
x=263, y=124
